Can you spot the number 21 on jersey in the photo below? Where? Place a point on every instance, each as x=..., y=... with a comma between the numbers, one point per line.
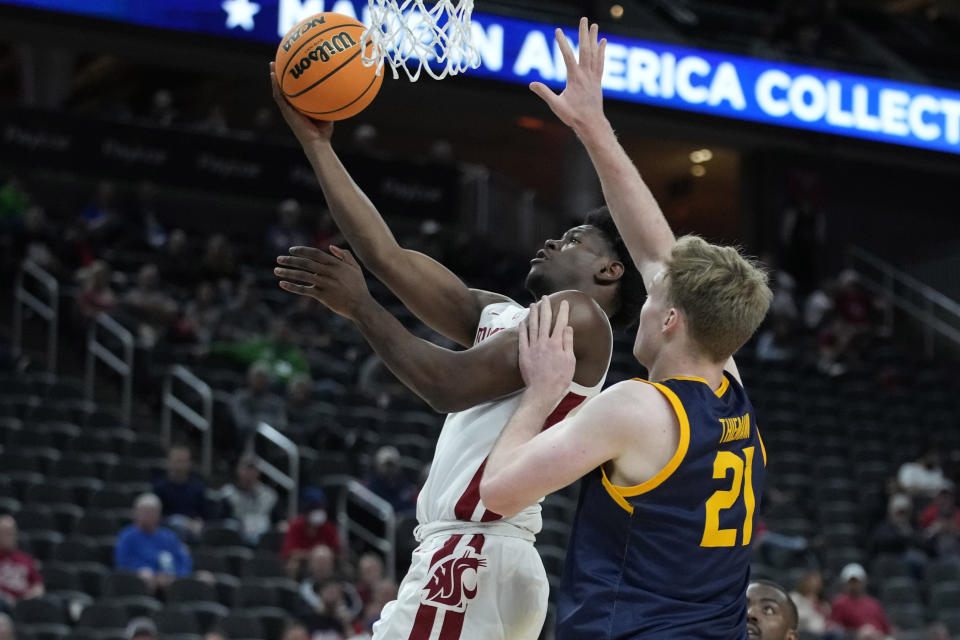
x=713, y=535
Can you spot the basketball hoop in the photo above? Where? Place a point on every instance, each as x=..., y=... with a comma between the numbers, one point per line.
x=409, y=35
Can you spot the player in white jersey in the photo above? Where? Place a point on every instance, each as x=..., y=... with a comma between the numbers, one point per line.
x=475, y=575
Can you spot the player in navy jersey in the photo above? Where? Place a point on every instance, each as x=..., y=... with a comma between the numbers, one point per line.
x=674, y=466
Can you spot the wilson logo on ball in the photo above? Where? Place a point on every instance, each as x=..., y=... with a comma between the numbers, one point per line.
x=301, y=29
x=322, y=52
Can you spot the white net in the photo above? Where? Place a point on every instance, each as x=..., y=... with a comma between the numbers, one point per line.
x=415, y=37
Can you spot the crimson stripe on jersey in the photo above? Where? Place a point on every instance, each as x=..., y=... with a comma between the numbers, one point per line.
x=568, y=404
x=423, y=623
x=453, y=621
x=468, y=502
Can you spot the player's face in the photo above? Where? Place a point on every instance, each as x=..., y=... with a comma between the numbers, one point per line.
x=649, y=335
x=568, y=263
x=768, y=614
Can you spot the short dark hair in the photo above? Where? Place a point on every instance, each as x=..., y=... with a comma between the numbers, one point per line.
x=632, y=292
x=791, y=605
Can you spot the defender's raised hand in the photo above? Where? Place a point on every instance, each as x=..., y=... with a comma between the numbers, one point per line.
x=306, y=129
x=334, y=280
x=582, y=99
x=547, y=362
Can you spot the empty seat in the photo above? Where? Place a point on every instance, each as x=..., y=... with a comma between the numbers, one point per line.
x=73, y=468
x=47, y=609
x=99, y=616
x=239, y=625
x=59, y=577
x=191, y=590
x=170, y=621
x=207, y=614
x=215, y=536
x=36, y=518
x=945, y=596
x=890, y=566
x=901, y=590
x=254, y=594
x=99, y=525
x=264, y=565
x=272, y=620
x=134, y=606
x=235, y=557
x=907, y=615
x=124, y=583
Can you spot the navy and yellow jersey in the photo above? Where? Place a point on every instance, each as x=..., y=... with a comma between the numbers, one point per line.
x=670, y=558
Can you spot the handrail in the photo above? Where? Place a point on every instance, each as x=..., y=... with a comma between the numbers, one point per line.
x=123, y=366
x=49, y=311
x=289, y=481
x=383, y=510
x=202, y=421
x=933, y=305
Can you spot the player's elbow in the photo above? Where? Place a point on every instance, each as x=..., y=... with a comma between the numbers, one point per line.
x=498, y=497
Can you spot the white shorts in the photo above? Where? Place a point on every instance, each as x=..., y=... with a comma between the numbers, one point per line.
x=469, y=586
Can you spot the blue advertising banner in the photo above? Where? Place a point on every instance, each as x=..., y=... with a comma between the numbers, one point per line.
x=671, y=76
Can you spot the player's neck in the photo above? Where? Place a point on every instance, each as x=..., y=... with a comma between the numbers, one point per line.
x=677, y=364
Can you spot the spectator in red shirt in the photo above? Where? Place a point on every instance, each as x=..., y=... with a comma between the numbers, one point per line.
x=19, y=578
x=308, y=530
x=7, y=632
x=855, y=611
x=940, y=521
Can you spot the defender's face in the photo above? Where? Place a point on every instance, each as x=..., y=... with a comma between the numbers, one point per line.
x=649, y=334
x=568, y=262
x=767, y=614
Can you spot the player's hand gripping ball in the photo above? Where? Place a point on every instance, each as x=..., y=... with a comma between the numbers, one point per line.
x=320, y=68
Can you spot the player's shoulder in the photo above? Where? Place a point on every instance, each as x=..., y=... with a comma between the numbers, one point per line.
x=633, y=404
x=584, y=310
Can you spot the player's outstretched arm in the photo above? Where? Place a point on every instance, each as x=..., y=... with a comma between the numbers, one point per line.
x=527, y=463
x=580, y=106
x=447, y=380
x=431, y=291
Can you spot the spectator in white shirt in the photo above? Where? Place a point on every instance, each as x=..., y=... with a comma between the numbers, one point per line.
x=251, y=501
x=922, y=477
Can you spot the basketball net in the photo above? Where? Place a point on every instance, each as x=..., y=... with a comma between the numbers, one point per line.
x=408, y=35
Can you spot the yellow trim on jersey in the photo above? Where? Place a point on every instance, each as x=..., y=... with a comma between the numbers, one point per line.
x=614, y=492
x=763, y=449
x=619, y=494
x=722, y=389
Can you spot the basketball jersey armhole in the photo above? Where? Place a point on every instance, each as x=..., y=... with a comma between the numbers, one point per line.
x=620, y=494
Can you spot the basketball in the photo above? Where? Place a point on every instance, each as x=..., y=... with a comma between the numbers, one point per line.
x=320, y=67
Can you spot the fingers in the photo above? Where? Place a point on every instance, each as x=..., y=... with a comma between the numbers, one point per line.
x=563, y=316
x=524, y=343
x=567, y=52
x=312, y=253
x=545, y=94
x=546, y=318
x=299, y=263
x=533, y=323
x=585, y=52
x=568, y=339
x=344, y=255
x=299, y=289
x=601, y=57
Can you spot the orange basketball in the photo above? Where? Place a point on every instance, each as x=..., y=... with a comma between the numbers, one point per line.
x=320, y=68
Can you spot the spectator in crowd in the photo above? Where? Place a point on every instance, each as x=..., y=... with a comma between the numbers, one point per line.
x=246, y=315
x=818, y=305
x=162, y=111
x=295, y=631
x=219, y=258
x=936, y=631
x=255, y=403
x=897, y=536
x=152, y=311
x=250, y=500
x=153, y=552
x=307, y=530
x=388, y=481
x=214, y=634
x=178, y=264
x=277, y=350
x=922, y=478
x=101, y=215
x=14, y=201
x=310, y=324
x=771, y=615
x=776, y=342
x=812, y=610
x=803, y=229
x=19, y=578
x=287, y=231
x=7, y=630
x=39, y=240
x=326, y=232
x=183, y=494
x=384, y=591
x=940, y=522
x=332, y=620
x=202, y=314
x=855, y=611
x=96, y=294
x=369, y=574
x=141, y=629
x=322, y=568
x=147, y=229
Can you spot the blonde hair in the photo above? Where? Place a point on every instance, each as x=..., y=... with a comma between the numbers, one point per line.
x=723, y=295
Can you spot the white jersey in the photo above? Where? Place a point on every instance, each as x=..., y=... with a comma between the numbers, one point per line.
x=452, y=490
